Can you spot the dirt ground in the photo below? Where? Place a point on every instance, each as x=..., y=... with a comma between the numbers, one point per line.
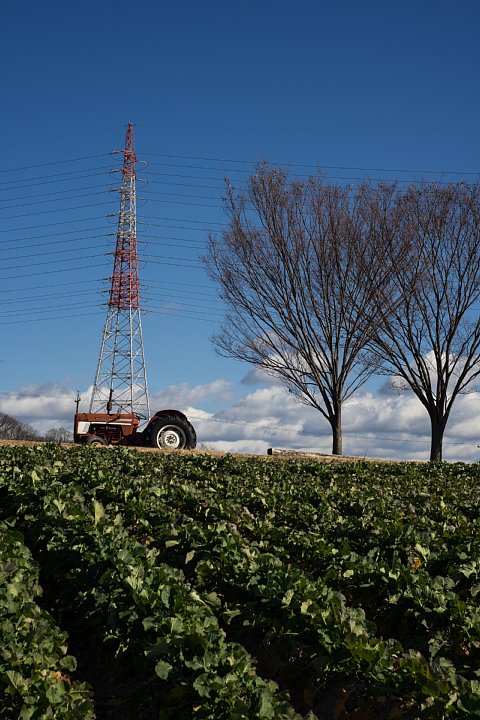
x=272, y=455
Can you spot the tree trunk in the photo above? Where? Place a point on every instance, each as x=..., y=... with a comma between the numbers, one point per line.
x=436, y=446
x=337, y=439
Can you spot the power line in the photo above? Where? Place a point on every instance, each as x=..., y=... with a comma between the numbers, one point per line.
x=188, y=177
x=53, y=252
x=186, y=195
x=48, y=212
x=192, y=296
x=237, y=170
x=52, y=242
x=148, y=295
x=54, y=200
x=104, y=187
x=181, y=246
x=148, y=241
x=51, y=272
x=190, y=308
x=194, y=313
x=192, y=185
x=181, y=284
x=77, y=315
x=62, y=233
x=301, y=176
x=50, y=182
x=169, y=257
x=55, y=162
x=145, y=239
x=181, y=265
x=191, y=204
x=183, y=288
x=182, y=227
x=71, y=293
x=48, y=287
x=102, y=217
x=239, y=161
x=86, y=267
x=197, y=222
x=49, y=262
x=63, y=306
x=347, y=435
x=200, y=167
x=107, y=202
x=169, y=237
x=192, y=264
x=60, y=222
x=310, y=166
x=63, y=177
x=177, y=315
x=53, y=317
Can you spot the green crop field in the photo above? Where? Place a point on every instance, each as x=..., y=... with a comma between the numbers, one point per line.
x=141, y=586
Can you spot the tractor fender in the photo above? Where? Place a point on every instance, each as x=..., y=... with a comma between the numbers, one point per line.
x=176, y=413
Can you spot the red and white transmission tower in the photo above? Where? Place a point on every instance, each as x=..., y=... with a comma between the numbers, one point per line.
x=121, y=379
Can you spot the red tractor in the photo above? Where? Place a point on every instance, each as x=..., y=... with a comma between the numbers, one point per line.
x=167, y=429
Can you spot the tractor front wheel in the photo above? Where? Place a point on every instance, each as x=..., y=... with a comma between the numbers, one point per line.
x=96, y=440
x=171, y=432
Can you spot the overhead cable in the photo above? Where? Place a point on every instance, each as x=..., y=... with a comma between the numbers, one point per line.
x=55, y=162
x=311, y=166
x=63, y=177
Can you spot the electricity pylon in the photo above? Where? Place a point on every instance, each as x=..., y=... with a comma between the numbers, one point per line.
x=121, y=378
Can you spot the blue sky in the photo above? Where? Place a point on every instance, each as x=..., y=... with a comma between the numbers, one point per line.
x=387, y=90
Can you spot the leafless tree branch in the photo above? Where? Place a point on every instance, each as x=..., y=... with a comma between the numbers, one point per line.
x=290, y=268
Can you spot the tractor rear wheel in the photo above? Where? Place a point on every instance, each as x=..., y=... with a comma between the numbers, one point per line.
x=171, y=432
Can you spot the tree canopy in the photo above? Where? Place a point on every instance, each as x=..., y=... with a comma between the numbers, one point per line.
x=326, y=286
x=290, y=269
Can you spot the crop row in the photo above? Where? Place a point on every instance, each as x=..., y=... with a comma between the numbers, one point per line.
x=276, y=600
x=34, y=667
x=143, y=609
x=294, y=560
x=417, y=579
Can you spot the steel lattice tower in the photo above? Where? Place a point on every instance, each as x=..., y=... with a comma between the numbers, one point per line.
x=121, y=379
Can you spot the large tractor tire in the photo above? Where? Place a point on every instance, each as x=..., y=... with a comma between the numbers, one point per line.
x=171, y=432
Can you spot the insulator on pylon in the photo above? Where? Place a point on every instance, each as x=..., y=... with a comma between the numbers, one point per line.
x=121, y=379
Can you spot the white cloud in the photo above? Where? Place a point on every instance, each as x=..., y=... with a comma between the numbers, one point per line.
x=43, y=406
x=382, y=424
x=180, y=396
x=257, y=376
x=375, y=425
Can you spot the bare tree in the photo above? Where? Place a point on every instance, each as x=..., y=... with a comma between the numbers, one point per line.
x=12, y=429
x=59, y=435
x=300, y=305
x=430, y=334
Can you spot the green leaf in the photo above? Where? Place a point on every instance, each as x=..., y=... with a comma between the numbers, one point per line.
x=60, y=505
x=265, y=709
x=163, y=669
x=16, y=679
x=69, y=663
x=99, y=511
x=475, y=589
x=171, y=543
x=201, y=686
